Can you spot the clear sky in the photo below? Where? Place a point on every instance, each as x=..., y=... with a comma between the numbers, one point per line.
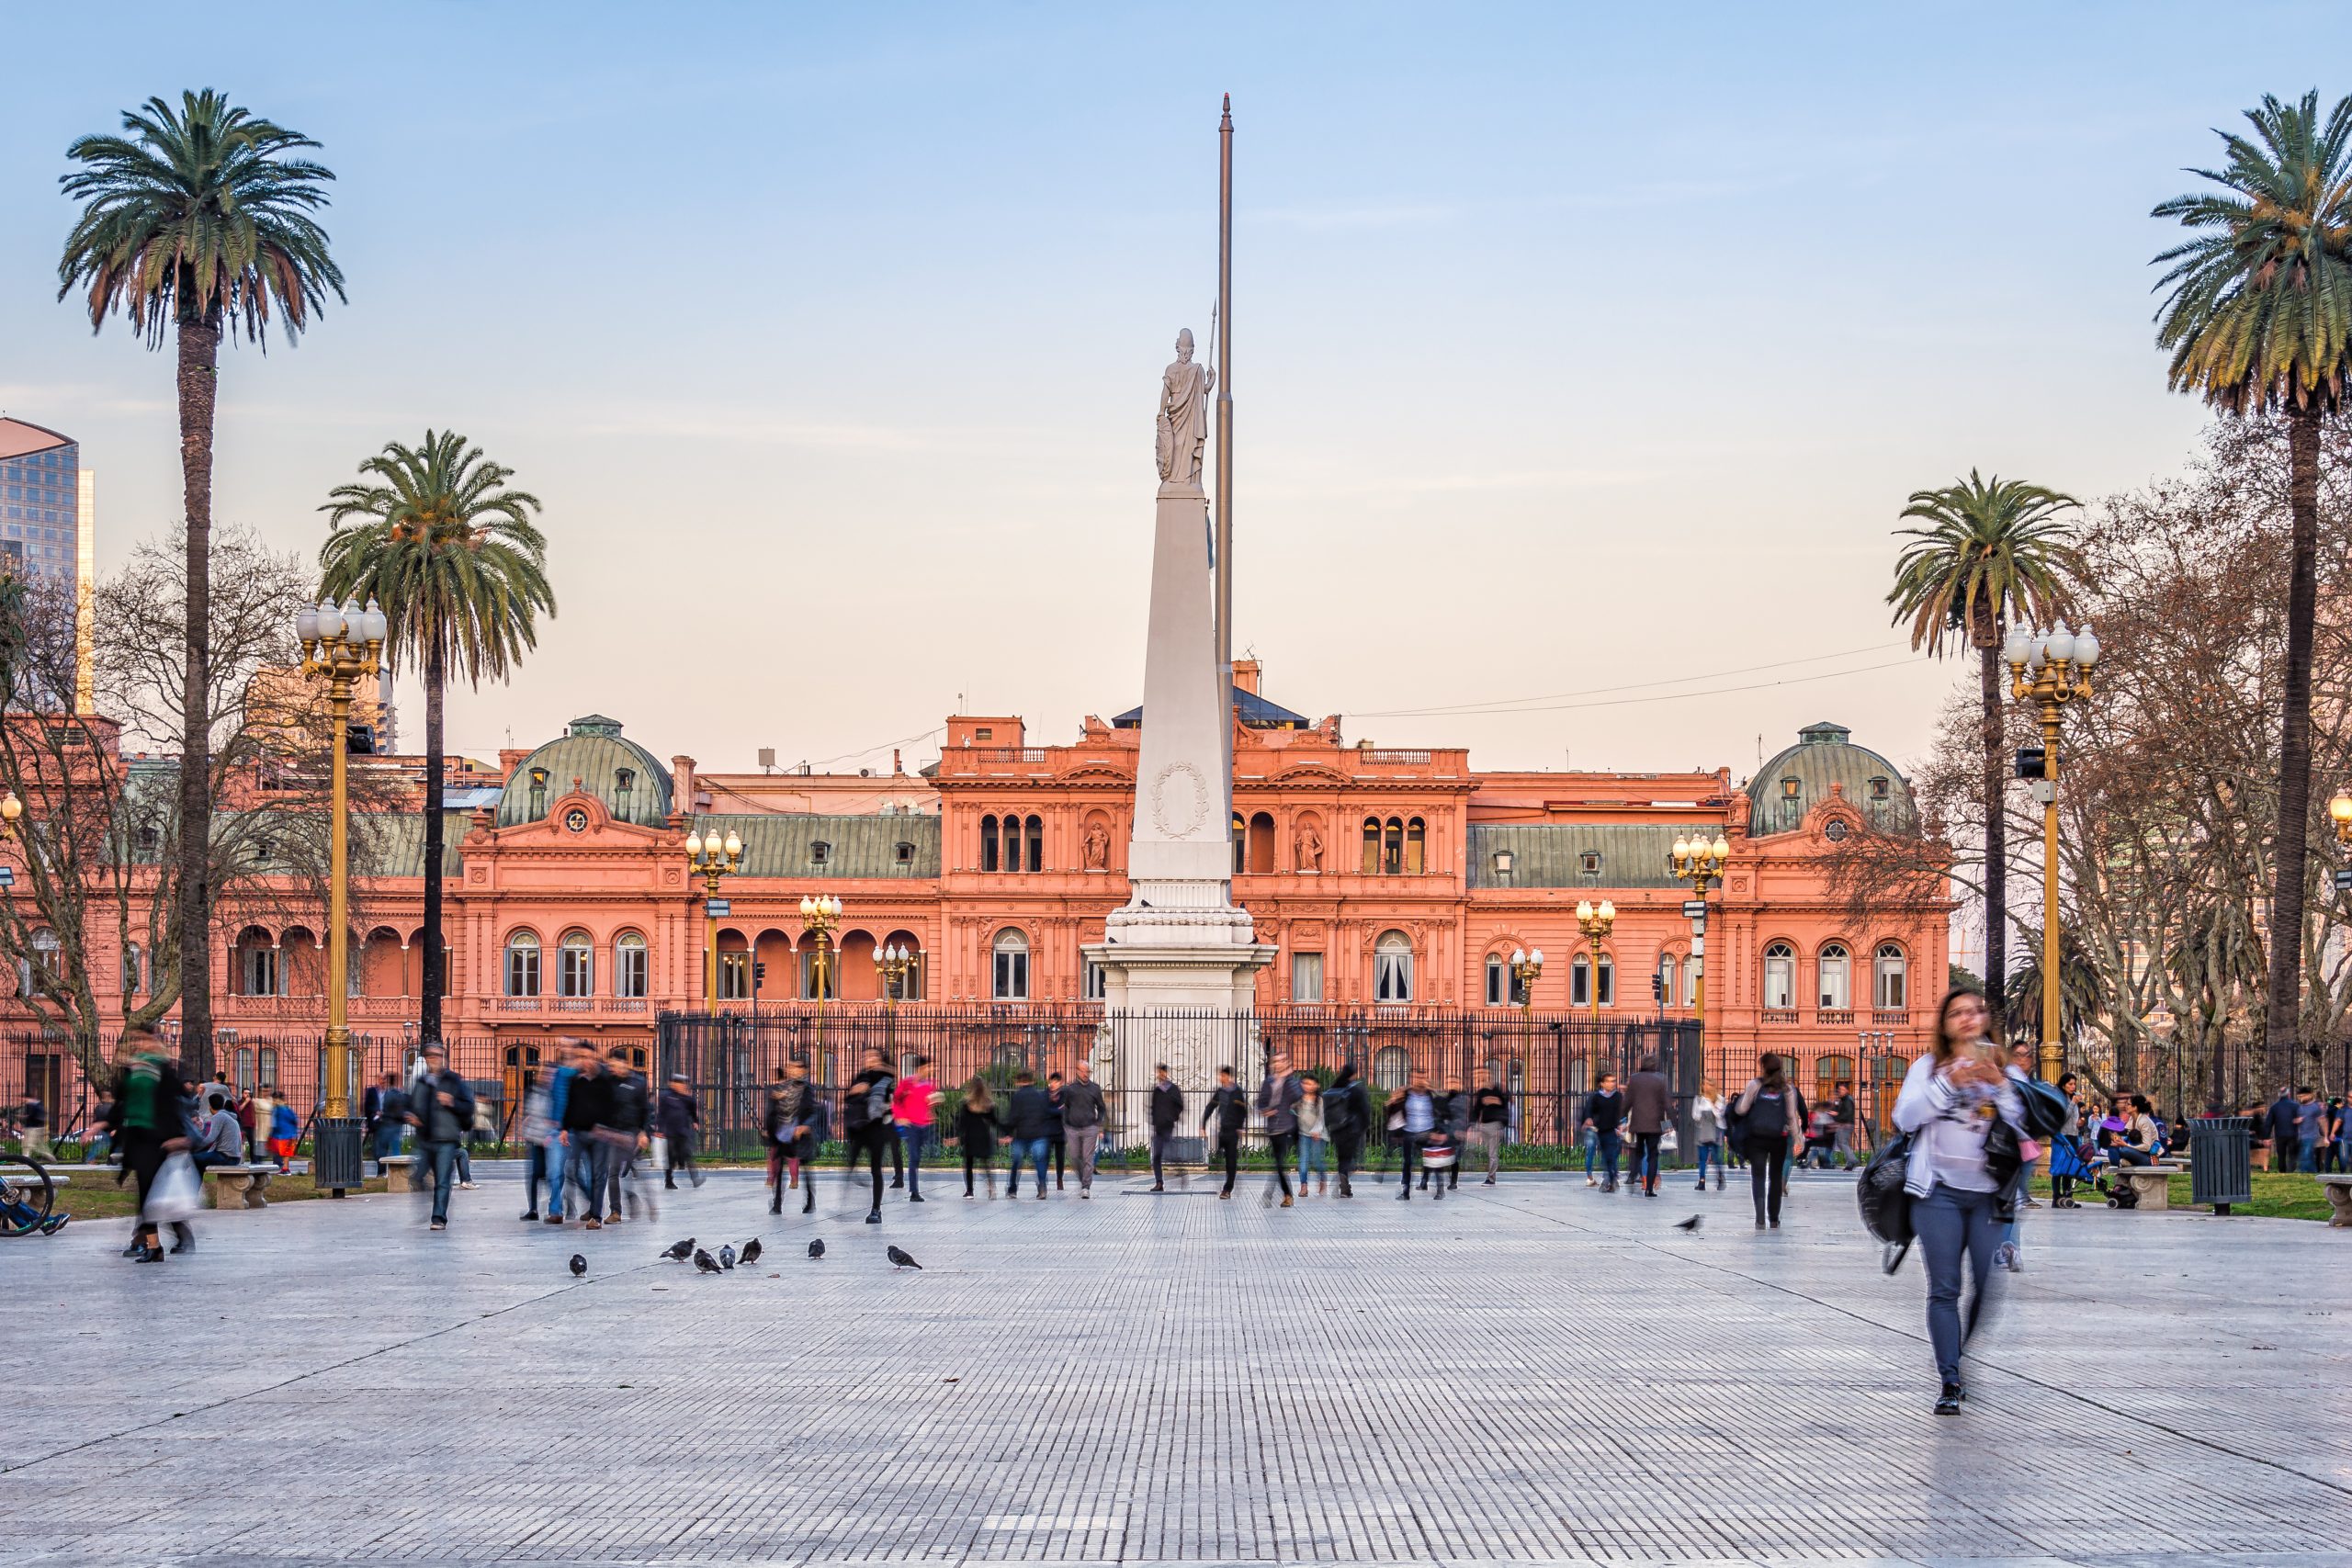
x=1578, y=346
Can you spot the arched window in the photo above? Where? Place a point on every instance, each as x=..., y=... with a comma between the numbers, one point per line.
x=1779, y=975
x=258, y=973
x=1500, y=984
x=1392, y=848
x=538, y=792
x=1391, y=968
x=624, y=790
x=1371, y=845
x=134, y=969
x=1390, y=1068
x=1011, y=977
x=575, y=972
x=523, y=965
x=1417, y=839
x=1663, y=992
x=1240, y=844
x=1792, y=802
x=1262, y=843
x=1891, y=982
x=1607, y=981
x=987, y=842
x=629, y=966
x=42, y=968
x=1581, y=981
x=1036, y=861
x=1837, y=977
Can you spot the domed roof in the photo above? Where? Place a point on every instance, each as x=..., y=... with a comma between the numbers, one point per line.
x=621, y=773
x=1797, y=779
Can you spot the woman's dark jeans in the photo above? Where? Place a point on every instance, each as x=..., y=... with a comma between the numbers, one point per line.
x=1952, y=1223
x=1767, y=1175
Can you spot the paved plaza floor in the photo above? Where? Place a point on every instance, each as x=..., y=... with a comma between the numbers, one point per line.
x=1526, y=1373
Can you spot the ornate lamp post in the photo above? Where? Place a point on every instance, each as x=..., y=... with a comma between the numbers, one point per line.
x=818, y=915
x=1698, y=862
x=1595, y=924
x=893, y=963
x=343, y=643
x=2339, y=811
x=2052, y=669
x=1526, y=968
x=10, y=809
x=712, y=859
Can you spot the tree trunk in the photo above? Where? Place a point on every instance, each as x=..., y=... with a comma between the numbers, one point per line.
x=2281, y=1027
x=1997, y=834
x=429, y=1006
x=199, y=354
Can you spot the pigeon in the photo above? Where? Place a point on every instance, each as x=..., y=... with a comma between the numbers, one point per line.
x=681, y=1251
x=726, y=1258
x=750, y=1253
x=1691, y=1225
x=900, y=1259
x=705, y=1261
x=817, y=1248
x=579, y=1264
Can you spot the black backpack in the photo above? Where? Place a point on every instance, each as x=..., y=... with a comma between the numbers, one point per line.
x=1767, y=1117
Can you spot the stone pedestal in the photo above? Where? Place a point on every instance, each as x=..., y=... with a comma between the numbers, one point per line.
x=1179, y=960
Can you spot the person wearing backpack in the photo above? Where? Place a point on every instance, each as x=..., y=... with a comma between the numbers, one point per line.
x=1770, y=1113
x=1347, y=1113
x=1953, y=1100
x=866, y=1122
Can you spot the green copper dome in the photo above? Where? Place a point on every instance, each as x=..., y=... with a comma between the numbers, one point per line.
x=620, y=772
x=1799, y=779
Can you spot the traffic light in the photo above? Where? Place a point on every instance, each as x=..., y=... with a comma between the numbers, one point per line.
x=359, y=740
x=759, y=970
x=1657, y=989
x=2031, y=761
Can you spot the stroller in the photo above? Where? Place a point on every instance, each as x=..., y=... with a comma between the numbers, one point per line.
x=2069, y=1161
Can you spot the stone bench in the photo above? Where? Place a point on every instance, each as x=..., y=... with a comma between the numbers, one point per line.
x=246, y=1183
x=2152, y=1182
x=399, y=1172
x=2339, y=1201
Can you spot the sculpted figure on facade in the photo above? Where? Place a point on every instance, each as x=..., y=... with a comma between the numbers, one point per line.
x=1307, y=848
x=1096, y=847
x=1184, y=389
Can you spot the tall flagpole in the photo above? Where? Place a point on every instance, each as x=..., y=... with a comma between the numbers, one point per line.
x=1225, y=406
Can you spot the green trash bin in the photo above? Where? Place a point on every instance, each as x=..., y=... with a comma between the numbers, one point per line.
x=2221, y=1156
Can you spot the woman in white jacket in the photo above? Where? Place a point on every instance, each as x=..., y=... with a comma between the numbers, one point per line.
x=1950, y=1098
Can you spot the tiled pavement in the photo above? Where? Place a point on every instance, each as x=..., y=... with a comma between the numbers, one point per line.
x=1532, y=1373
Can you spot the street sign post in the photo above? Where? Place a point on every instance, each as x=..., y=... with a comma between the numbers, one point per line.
x=718, y=908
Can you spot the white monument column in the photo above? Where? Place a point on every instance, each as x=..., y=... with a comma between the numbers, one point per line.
x=1179, y=943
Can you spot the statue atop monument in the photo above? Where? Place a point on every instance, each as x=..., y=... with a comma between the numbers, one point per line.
x=1185, y=389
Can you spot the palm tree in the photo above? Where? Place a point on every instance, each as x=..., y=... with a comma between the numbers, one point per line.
x=460, y=569
x=2259, y=320
x=1992, y=550
x=197, y=221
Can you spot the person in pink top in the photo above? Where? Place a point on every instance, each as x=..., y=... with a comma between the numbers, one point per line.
x=913, y=1105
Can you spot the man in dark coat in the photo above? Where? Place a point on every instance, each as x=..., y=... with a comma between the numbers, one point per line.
x=443, y=1111
x=1167, y=1111
x=1278, y=1099
x=1347, y=1117
x=678, y=1118
x=1229, y=1111
x=1649, y=1101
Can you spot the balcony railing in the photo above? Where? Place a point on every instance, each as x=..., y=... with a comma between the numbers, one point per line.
x=1780, y=1015
x=1885, y=1018
x=1387, y=754
x=1834, y=1015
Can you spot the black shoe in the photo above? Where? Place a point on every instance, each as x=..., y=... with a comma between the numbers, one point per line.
x=775, y=1208
x=669, y=1186
x=1947, y=1403
x=808, y=1208
x=914, y=1197
x=184, y=1244
x=1156, y=1187
x=530, y=1217
x=874, y=1216
x=148, y=1255
x=897, y=1182
x=1488, y=1182
x=134, y=1249
x=1405, y=1195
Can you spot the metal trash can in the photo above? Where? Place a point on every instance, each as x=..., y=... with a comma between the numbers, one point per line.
x=2221, y=1156
x=336, y=1164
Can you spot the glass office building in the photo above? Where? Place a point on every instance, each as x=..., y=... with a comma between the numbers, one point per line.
x=48, y=518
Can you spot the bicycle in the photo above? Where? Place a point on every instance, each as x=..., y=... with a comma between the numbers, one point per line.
x=27, y=1194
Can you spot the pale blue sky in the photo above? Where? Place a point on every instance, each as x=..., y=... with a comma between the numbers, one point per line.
x=1580, y=346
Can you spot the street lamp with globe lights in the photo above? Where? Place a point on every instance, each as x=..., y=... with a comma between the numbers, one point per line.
x=342, y=642
x=1595, y=922
x=712, y=858
x=2050, y=668
x=819, y=913
x=1700, y=863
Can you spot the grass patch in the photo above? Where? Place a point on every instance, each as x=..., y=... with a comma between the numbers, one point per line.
x=94, y=1195
x=2277, y=1195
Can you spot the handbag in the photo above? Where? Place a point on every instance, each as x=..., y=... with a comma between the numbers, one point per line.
x=1667, y=1142
x=1883, y=1198
x=661, y=1152
x=177, y=1193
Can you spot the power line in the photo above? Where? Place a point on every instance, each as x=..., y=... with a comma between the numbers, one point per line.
x=1507, y=704
x=1661, y=697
